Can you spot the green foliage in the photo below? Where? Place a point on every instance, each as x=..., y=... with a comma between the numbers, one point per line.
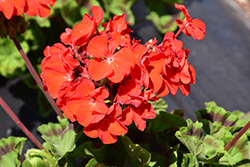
x=59, y=137
x=11, y=62
x=10, y=151
x=168, y=140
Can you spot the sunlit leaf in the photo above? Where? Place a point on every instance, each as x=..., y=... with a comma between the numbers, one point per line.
x=10, y=151
x=59, y=137
x=11, y=62
x=94, y=162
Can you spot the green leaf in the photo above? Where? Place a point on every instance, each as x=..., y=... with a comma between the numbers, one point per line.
x=217, y=121
x=165, y=121
x=159, y=105
x=190, y=137
x=35, y=36
x=26, y=163
x=240, y=152
x=188, y=160
x=12, y=144
x=43, y=164
x=10, y=159
x=10, y=150
x=35, y=156
x=138, y=155
x=94, y=162
x=59, y=137
x=70, y=12
x=42, y=22
x=11, y=62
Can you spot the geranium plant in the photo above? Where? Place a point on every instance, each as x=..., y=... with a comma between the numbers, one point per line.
x=109, y=88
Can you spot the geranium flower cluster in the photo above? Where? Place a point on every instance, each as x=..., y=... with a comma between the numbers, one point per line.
x=29, y=7
x=106, y=80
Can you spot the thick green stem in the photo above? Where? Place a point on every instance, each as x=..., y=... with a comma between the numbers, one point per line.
x=20, y=124
x=36, y=77
x=237, y=137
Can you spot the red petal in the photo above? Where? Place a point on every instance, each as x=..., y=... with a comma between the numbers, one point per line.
x=116, y=127
x=106, y=137
x=83, y=113
x=140, y=122
x=100, y=92
x=172, y=87
x=99, y=69
x=104, y=134
x=184, y=74
x=91, y=130
x=47, y=2
x=185, y=89
x=66, y=37
x=156, y=80
x=98, y=14
x=53, y=80
x=36, y=8
x=193, y=74
x=127, y=116
x=114, y=42
x=19, y=5
x=121, y=64
x=148, y=111
x=83, y=30
x=7, y=7
x=98, y=46
x=163, y=91
x=85, y=87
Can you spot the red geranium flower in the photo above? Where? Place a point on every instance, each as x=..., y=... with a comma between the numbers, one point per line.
x=57, y=67
x=83, y=31
x=190, y=27
x=38, y=7
x=80, y=98
x=139, y=113
x=105, y=125
x=12, y=7
x=119, y=24
x=112, y=65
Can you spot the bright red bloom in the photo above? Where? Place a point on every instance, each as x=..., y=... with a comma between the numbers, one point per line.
x=105, y=125
x=119, y=24
x=12, y=7
x=38, y=7
x=154, y=65
x=129, y=88
x=112, y=65
x=57, y=67
x=79, y=99
x=190, y=27
x=66, y=37
x=139, y=113
x=83, y=31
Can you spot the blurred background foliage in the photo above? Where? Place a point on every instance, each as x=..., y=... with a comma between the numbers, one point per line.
x=65, y=14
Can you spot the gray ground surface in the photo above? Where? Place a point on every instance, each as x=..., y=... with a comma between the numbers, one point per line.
x=221, y=61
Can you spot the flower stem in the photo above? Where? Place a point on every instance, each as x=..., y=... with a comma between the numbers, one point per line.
x=36, y=77
x=20, y=124
x=237, y=137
